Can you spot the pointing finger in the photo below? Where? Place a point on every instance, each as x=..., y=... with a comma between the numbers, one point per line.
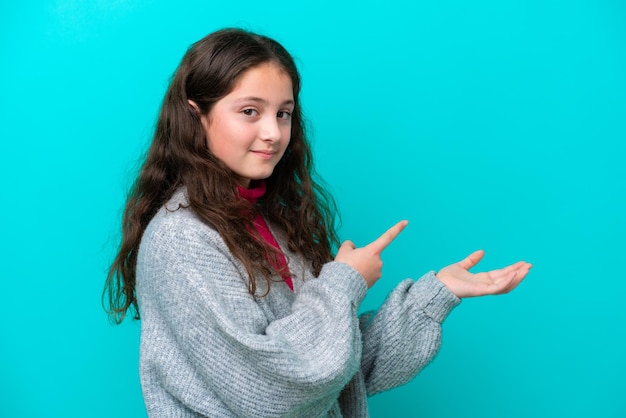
x=385, y=239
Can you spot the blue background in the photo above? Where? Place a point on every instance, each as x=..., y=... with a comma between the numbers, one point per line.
x=488, y=124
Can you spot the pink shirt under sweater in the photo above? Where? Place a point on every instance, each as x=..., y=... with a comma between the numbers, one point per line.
x=252, y=195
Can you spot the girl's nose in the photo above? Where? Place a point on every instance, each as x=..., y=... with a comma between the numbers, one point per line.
x=270, y=131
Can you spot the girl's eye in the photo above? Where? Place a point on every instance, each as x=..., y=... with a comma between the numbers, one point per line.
x=283, y=114
x=249, y=112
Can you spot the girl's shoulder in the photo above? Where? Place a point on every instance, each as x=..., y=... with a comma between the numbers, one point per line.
x=176, y=222
x=179, y=199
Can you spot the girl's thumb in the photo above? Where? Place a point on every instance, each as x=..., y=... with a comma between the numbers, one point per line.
x=348, y=245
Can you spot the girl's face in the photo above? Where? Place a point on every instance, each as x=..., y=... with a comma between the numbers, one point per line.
x=250, y=128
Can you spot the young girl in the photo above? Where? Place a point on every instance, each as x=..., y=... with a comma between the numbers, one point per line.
x=227, y=257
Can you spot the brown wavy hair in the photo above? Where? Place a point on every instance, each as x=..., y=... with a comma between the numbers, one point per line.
x=179, y=156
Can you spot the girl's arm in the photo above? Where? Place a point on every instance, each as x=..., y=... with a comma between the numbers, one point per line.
x=404, y=335
x=207, y=343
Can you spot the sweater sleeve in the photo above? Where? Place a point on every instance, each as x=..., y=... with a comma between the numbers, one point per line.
x=404, y=335
x=207, y=343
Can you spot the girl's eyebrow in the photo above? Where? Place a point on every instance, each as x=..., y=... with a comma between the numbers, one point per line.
x=262, y=101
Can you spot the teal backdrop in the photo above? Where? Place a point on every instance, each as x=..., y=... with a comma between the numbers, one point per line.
x=488, y=124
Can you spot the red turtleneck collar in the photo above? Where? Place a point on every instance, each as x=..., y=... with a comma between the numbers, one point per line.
x=252, y=195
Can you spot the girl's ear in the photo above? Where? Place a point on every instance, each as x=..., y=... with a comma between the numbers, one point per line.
x=194, y=105
x=203, y=118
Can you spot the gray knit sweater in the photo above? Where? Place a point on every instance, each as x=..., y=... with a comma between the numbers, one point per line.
x=209, y=348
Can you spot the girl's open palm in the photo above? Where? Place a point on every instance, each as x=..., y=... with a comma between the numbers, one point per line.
x=464, y=284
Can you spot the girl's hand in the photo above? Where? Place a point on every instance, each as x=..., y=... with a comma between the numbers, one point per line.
x=366, y=260
x=464, y=284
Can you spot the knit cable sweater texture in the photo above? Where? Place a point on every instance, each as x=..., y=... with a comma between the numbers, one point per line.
x=210, y=349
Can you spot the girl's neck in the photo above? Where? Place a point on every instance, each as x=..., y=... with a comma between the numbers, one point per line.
x=255, y=191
